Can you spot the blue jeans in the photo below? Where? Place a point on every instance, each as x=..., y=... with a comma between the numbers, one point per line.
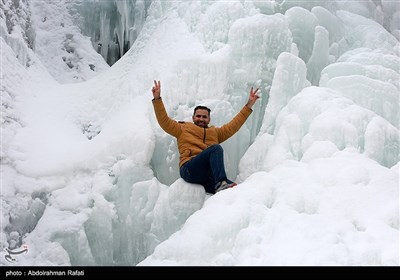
x=207, y=168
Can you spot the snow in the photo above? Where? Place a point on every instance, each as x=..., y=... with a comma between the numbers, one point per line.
x=65, y=52
x=318, y=213
x=89, y=178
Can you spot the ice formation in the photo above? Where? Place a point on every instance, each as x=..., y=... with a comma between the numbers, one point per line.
x=89, y=178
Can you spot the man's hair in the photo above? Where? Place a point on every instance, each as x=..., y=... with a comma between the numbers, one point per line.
x=202, y=108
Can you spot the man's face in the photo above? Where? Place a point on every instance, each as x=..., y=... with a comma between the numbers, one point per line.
x=201, y=118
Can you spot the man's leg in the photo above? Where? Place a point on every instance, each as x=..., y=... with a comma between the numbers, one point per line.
x=207, y=168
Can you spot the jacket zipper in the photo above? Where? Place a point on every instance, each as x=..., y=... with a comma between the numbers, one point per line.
x=204, y=137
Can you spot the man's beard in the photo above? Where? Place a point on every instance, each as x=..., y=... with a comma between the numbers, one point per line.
x=201, y=124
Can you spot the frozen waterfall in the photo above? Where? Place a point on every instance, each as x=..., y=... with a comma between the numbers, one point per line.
x=89, y=178
x=113, y=25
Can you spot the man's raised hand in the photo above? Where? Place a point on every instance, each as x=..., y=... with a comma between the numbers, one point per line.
x=156, y=89
x=253, y=97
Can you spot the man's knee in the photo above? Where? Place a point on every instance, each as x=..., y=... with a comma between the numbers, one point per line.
x=217, y=148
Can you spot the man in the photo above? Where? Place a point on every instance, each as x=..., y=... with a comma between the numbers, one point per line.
x=201, y=157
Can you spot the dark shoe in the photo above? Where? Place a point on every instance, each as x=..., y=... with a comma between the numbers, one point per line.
x=224, y=185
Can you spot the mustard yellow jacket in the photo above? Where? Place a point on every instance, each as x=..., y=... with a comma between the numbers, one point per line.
x=193, y=139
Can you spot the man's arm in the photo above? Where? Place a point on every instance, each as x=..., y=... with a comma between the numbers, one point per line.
x=167, y=124
x=229, y=129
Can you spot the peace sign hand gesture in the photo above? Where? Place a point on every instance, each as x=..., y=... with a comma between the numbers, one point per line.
x=156, y=90
x=252, y=98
